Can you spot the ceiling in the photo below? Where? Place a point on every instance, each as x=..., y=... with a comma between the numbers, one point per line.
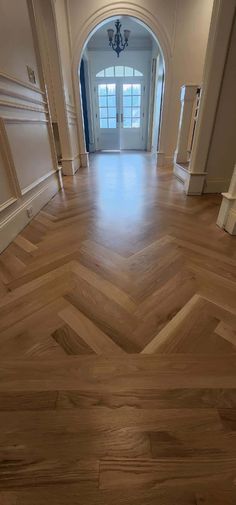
x=138, y=34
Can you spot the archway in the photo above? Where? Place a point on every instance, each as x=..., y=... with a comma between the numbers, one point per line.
x=145, y=18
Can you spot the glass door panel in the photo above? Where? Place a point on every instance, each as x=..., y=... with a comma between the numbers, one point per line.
x=107, y=117
x=131, y=116
x=107, y=105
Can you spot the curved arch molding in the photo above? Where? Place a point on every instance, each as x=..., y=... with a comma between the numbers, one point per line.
x=151, y=22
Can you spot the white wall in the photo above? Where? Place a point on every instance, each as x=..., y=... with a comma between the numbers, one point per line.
x=222, y=150
x=185, y=25
x=28, y=169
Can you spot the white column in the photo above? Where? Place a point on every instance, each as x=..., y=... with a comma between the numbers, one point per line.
x=227, y=215
x=187, y=97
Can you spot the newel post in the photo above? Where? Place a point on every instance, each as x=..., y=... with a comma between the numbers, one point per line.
x=188, y=100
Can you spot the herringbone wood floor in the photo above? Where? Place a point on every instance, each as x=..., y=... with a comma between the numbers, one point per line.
x=117, y=347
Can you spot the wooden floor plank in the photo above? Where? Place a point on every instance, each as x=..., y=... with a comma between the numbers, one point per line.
x=118, y=346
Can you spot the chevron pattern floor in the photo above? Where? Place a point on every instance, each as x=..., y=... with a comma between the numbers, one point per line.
x=118, y=345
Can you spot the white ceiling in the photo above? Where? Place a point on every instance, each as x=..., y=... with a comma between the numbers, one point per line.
x=138, y=33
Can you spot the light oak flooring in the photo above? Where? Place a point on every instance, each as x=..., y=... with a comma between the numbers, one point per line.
x=118, y=345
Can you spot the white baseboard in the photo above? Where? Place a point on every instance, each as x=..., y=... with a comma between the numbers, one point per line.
x=230, y=225
x=193, y=182
x=164, y=160
x=70, y=165
x=181, y=173
x=17, y=219
x=84, y=160
x=216, y=185
x=227, y=214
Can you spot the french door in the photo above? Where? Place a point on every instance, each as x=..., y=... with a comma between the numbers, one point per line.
x=120, y=118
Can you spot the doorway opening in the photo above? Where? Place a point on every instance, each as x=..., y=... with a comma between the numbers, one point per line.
x=122, y=97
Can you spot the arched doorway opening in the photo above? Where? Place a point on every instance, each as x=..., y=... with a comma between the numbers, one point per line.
x=156, y=132
x=122, y=96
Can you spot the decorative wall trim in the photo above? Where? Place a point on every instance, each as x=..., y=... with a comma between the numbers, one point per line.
x=8, y=159
x=7, y=203
x=20, y=96
x=18, y=219
x=25, y=103
x=23, y=120
x=193, y=181
x=21, y=83
x=84, y=159
x=22, y=106
x=70, y=106
x=216, y=185
x=180, y=172
x=37, y=182
x=70, y=165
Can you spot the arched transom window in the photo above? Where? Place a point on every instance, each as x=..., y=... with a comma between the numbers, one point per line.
x=119, y=71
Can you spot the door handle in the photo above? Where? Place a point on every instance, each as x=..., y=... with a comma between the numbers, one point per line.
x=117, y=117
x=122, y=117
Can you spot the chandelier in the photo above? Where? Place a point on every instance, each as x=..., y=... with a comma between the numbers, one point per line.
x=118, y=42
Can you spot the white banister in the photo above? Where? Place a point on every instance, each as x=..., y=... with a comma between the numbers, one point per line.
x=189, y=106
x=190, y=101
x=227, y=215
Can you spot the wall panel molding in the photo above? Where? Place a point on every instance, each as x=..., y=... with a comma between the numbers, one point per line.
x=37, y=182
x=18, y=219
x=8, y=162
x=28, y=163
x=15, y=105
x=7, y=203
x=23, y=84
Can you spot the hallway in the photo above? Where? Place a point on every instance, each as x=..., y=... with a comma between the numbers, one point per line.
x=118, y=334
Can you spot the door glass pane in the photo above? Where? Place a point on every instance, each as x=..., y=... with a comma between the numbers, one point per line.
x=127, y=101
x=112, y=122
x=102, y=101
x=136, y=89
x=119, y=71
x=129, y=72
x=137, y=73
x=103, y=112
x=102, y=89
x=111, y=101
x=132, y=105
x=135, y=111
x=111, y=112
x=127, y=111
x=109, y=72
x=127, y=89
x=136, y=101
x=111, y=89
x=107, y=105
